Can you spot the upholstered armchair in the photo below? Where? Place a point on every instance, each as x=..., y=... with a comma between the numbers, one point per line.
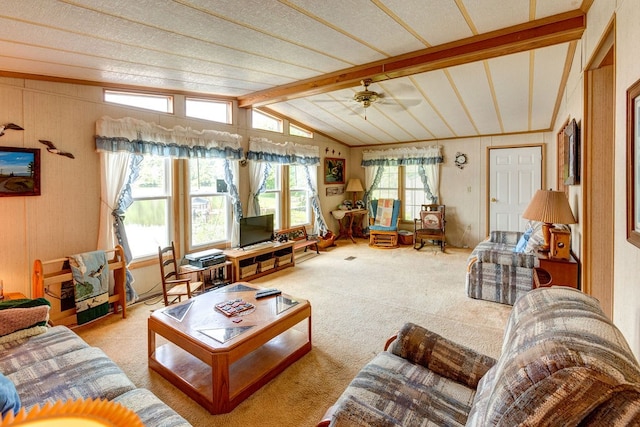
x=496, y=272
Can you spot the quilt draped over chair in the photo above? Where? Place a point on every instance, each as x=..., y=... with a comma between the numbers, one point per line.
x=383, y=232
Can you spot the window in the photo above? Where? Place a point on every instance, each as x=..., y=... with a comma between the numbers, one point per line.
x=299, y=204
x=216, y=111
x=270, y=200
x=148, y=219
x=388, y=187
x=414, y=195
x=162, y=103
x=260, y=120
x=298, y=131
x=210, y=210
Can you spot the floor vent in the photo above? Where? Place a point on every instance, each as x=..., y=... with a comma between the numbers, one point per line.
x=350, y=258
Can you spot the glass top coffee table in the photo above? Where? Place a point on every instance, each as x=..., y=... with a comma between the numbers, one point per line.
x=220, y=359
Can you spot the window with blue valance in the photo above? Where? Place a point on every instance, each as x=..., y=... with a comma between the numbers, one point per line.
x=263, y=152
x=121, y=144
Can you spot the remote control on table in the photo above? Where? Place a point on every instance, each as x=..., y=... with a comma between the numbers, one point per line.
x=262, y=293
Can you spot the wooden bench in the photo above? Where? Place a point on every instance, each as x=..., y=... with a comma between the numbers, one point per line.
x=299, y=236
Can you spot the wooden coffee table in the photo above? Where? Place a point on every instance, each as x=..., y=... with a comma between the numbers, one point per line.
x=218, y=362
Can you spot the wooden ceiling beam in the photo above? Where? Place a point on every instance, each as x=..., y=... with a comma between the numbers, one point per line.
x=536, y=34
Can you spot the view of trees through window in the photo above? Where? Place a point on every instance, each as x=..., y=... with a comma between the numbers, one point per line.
x=414, y=195
x=270, y=199
x=299, y=206
x=210, y=213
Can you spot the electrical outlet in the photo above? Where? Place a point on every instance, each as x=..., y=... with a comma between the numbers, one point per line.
x=469, y=189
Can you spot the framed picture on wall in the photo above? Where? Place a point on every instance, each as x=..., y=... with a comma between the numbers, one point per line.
x=633, y=164
x=571, y=170
x=19, y=171
x=334, y=170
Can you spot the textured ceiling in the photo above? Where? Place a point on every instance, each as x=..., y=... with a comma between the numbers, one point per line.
x=444, y=68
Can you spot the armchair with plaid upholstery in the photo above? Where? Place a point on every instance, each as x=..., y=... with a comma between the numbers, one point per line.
x=495, y=272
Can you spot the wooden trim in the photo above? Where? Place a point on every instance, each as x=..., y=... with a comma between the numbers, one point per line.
x=552, y=30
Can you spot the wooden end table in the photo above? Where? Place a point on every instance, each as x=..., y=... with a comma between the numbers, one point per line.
x=219, y=363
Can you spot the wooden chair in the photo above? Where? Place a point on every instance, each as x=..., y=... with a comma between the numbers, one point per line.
x=384, y=236
x=430, y=226
x=172, y=284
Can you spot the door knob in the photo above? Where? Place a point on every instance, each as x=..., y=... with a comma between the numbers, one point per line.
x=493, y=200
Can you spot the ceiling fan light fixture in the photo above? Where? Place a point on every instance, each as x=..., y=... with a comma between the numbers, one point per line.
x=366, y=97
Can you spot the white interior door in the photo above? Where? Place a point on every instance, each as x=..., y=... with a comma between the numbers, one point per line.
x=514, y=176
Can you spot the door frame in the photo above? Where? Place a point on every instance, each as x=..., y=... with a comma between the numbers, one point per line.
x=603, y=53
x=543, y=175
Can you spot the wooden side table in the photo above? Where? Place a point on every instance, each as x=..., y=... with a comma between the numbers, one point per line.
x=555, y=272
x=350, y=222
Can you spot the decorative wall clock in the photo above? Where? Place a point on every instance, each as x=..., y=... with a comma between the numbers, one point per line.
x=461, y=160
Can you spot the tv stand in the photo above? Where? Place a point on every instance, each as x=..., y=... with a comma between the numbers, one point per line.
x=250, y=263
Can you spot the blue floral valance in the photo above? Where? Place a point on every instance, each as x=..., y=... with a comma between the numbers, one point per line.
x=139, y=137
x=403, y=156
x=263, y=150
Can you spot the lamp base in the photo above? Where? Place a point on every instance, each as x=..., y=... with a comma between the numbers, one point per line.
x=546, y=233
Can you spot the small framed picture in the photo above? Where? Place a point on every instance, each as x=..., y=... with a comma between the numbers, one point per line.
x=19, y=171
x=334, y=170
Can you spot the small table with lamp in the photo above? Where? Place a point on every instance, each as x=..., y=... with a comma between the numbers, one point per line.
x=557, y=264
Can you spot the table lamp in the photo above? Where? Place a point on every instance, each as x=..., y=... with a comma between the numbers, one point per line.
x=549, y=207
x=354, y=185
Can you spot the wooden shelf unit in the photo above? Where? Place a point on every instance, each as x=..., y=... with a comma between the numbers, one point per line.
x=244, y=259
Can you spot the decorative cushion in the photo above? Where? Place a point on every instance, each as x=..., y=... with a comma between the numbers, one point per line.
x=9, y=399
x=536, y=239
x=23, y=316
x=522, y=243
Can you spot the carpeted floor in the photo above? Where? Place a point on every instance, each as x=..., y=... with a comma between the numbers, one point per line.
x=360, y=296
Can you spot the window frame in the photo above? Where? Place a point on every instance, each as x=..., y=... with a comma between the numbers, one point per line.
x=142, y=95
x=227, y=103
x=188, y=220
x=277, y=120
x=170, y=192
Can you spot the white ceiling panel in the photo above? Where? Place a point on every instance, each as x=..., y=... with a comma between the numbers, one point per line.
x=490, y=15
x=550, y=8
x=512, y=72
x=549, y=66
x=305, y=59
x=472, y=83
x=436, y=22
x=441, y=94
x=366, y=22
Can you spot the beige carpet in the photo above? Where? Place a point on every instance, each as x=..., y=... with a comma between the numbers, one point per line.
x=360, y=296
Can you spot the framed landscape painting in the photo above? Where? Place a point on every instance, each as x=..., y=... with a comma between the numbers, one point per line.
x=19, y=171
x=334, y=170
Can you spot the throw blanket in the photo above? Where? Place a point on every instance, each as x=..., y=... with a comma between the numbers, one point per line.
x=384, y=212
x=90, y=272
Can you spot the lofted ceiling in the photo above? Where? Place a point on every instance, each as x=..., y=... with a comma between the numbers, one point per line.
x=443, y=68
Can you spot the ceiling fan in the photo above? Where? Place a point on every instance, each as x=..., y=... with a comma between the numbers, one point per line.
x=366, y=97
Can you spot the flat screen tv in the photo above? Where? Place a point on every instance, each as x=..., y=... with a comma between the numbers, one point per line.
x=256, y=229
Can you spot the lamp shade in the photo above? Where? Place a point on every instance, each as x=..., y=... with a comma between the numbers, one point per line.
x=354, y=184
x=551, y=207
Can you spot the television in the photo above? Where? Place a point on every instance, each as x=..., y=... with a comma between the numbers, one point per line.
x=256, y=229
